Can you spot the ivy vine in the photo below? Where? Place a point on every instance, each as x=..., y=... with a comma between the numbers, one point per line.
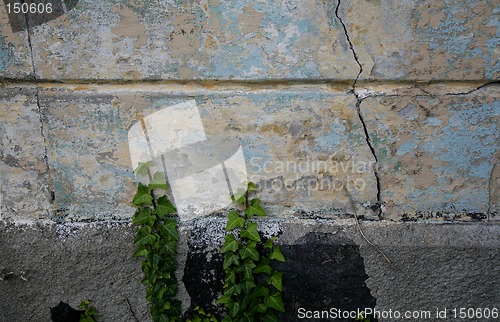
x=156, y=243
x=89, y=312
x=252, y=288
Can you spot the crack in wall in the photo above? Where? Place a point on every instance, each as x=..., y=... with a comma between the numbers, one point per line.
x=475, y=89
x=45, y=146
x=377, y=208
x=351, y=46
x=431, y=94
x=28, y=32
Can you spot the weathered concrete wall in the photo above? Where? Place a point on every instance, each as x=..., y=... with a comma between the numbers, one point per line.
x=384, y=109
x=328, y=266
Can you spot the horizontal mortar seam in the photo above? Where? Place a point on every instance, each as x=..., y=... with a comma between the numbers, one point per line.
x=408, y=89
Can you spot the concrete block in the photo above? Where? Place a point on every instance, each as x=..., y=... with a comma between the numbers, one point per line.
x=24, y=177
x=304, y=166
x=424, y=40
x=15, y=52
x=436, y=153
x=61, y=263
x=329, y=266
x=213, y=39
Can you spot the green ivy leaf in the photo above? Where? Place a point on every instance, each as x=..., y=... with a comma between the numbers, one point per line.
x=251, y=232
x=158, y=182
x=164, y=207
x=277, y=255
x=271, y=318
x=142, y=196
x=159, y=294
x=227, y=318
x=163, y=318
x=169, y=229
x=240, y=192
x=255, y=209
x=241, y=200
x=166, y=305
x=262, y=268
x=144, y=236
x=260, y=291
x=144, y=217
x=231, y=259
x=169, y=248
x=143, y=232
x=275, y=280
x=231, y=244
x=234, y=289
x=146, y=240
x=226, y=299
x=247, y=319
x=246, y=268
x=270, y=243
x=235, y=220
x=259, y=308
x=142, y=168
x=141, y=252
x=250, y=251
x=230, y=278
x=155, y=260
x=247, y=286
x=233, y=311
x=275, y=302
x=251, y=187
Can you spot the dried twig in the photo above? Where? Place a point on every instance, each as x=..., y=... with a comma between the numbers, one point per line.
x=362, y=233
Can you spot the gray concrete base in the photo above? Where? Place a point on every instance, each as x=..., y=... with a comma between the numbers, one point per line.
x=329, y=266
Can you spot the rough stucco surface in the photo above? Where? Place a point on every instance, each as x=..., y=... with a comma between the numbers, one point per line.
x=433, y=155
x=15, y=55
x=433, y=266
x=182, y=40
x=89, y=162
x=386, y=110
x=436, y=153
x=23, y=167
x=424, y=40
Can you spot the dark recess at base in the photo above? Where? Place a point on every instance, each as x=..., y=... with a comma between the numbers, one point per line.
x=322, y=271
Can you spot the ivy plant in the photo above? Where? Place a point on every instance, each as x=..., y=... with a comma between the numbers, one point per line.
x=156, y=243
x=201, y=316
x=89, y=312
x=361, y=317
x=252, y=288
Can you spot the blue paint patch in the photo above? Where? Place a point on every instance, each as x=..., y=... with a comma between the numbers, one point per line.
x=458, y=40
x=468, y=143
x=432, y=121
x=256, y=154
x=407, y=147
x=277, y=53
x=493, y=45
x=331, y=141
